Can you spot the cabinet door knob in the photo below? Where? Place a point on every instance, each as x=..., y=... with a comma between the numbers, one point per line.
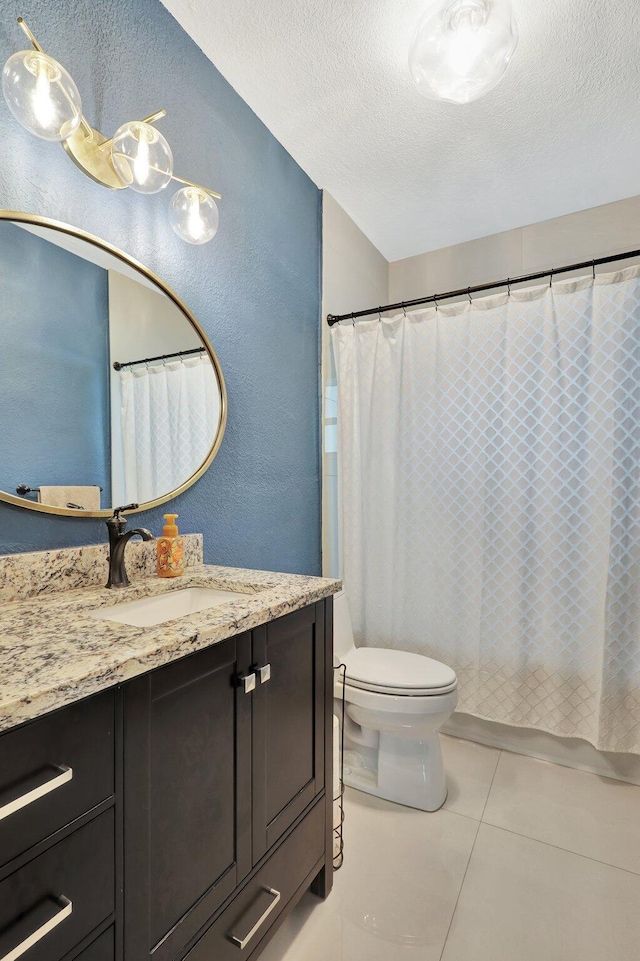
x=64, y=774
x=248, y=682
x=65, y=907
x=265, y=673
x=241, y=941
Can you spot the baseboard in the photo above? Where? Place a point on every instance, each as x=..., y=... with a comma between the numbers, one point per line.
x=570, y=752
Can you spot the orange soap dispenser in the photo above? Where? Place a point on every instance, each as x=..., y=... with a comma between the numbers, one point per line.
x=170, y=549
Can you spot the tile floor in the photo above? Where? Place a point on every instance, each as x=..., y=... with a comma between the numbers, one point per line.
x=527, y=860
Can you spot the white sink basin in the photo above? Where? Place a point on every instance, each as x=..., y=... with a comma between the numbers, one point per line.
x=150, y=611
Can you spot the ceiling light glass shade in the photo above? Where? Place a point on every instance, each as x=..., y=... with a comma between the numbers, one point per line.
x=461, y=48
x=194, y=215
x=41, y=95
x=142, y=157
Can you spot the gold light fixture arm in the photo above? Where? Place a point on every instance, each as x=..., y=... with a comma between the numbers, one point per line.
x=25, y=29
x=190, y=183
x=158, y=115
x=88, y=129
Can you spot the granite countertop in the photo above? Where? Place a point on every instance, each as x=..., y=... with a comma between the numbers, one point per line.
x=54, y=652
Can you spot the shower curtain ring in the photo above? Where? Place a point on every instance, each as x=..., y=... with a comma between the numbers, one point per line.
x=404, y=309
x=593, y=265
x=508, y=286
x=550, y=278
x=435, y=301
x=380, y=314
x=469, y=294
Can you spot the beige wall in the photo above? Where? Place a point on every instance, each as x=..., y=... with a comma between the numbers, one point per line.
x=354, y=276
x=592, y=233
x=354, y=272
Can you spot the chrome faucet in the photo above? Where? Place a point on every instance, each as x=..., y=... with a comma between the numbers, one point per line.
x=118, y=540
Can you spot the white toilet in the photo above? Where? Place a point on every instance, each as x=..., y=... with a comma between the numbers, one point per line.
x=395, y=704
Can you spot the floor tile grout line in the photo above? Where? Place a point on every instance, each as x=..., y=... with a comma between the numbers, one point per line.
x=486, y=800
x=557, y=847
x=459, y=814
x=464, y=878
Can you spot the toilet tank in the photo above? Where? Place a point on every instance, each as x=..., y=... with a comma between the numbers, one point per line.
x=342, y=630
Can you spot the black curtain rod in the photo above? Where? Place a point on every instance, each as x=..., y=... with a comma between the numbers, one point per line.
x=147, y=360
x=467, y=291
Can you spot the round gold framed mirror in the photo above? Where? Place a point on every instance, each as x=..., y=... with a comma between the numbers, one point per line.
x=110, y=391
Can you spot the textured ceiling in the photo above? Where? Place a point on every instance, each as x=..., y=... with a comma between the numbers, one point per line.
x=330, y=79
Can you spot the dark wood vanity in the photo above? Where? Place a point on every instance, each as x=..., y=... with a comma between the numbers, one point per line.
x=179, y=815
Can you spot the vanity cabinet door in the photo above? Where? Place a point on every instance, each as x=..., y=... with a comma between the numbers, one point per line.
x=288, y=721
x=187, y=816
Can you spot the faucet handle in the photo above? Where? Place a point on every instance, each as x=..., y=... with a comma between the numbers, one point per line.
x=127, y=507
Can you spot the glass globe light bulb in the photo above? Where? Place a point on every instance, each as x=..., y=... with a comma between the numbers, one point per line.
x=41, y=95
x=142, y=157
x=194, y=215
x=461, y=48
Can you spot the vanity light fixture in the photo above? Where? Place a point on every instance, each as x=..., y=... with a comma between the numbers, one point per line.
x=43, y=97
x=461, y=48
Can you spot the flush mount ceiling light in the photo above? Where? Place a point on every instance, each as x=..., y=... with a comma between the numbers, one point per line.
x=461, y=48
x=44, y=99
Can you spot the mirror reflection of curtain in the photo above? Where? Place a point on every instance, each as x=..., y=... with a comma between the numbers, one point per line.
x=170, y=417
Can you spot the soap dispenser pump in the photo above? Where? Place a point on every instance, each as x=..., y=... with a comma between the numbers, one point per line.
x=170, y=549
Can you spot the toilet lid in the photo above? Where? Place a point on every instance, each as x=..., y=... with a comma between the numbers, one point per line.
x=399, y=672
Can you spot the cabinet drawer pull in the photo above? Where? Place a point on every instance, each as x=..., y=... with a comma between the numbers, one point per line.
x=66, y=773
x=243, y=942
x=248, y=682
x=265, y=673
x=66, y=907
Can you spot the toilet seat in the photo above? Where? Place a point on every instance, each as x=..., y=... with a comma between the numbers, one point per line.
x=399, y=673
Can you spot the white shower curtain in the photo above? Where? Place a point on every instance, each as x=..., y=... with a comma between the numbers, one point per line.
x=170, y=416
x=489, y=466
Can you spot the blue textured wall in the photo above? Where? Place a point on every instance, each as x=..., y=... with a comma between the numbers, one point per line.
x=255, y=288
x=54, y=373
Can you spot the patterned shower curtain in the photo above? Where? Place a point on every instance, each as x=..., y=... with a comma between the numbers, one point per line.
x=489, y=472
x=170, y=416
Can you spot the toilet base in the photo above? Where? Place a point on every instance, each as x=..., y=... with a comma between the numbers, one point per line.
x=408, y=771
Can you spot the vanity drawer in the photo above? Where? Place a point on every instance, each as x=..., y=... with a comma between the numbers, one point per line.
x=53, y=770
x=243, y=924
x=61, y=896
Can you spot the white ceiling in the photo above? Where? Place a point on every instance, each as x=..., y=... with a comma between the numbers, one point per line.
x=330, y=79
